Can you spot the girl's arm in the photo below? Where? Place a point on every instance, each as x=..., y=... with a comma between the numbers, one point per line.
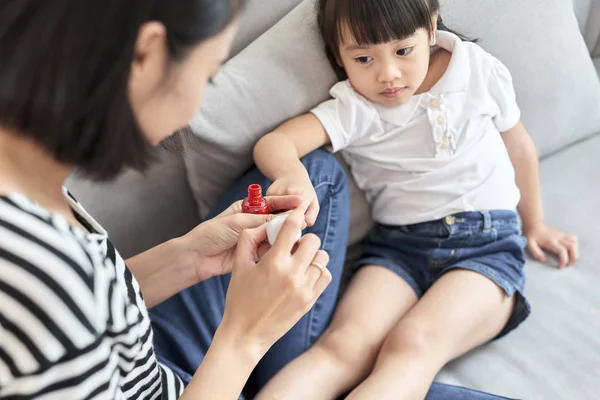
x=279, y=152
x=278, y=155
x=523, y=155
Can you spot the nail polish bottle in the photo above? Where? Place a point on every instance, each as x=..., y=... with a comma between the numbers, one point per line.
x=255, y=203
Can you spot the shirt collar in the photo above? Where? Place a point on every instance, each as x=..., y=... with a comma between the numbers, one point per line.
x=455, y=80
x=457, y=76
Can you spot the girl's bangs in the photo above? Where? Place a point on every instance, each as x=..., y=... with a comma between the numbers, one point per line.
x=378, y=21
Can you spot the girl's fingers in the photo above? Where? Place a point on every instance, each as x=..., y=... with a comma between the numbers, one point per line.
x=536, y=251
x=312, y=212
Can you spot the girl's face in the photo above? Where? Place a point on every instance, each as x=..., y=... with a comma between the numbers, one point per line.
x=165, y=94
x=389, y=73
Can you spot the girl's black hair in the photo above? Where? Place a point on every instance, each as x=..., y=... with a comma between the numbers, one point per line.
x=373, y=22
x=65, y=66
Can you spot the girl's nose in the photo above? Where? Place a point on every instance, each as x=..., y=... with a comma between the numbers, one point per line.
x=389, y=72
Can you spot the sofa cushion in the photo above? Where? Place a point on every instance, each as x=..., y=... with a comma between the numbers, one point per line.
x=555, y=354
x=140, y=211
x=285, y=72
x=258, y=17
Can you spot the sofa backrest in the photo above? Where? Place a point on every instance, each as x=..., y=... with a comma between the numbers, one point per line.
x=258, y=17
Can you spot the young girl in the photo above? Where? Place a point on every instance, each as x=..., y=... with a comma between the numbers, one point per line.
x=429, y=125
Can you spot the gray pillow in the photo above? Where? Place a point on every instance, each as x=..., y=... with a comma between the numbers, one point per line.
x=258, y=17
x=285, y=73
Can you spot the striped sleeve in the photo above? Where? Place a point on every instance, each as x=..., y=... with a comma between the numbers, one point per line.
x=71, y=324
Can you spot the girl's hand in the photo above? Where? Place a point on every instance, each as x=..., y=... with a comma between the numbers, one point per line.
x=542, y=237
x=211, y=245
x=266, y=298
x=298, y=183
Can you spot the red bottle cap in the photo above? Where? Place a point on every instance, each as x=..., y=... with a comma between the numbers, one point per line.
x=255, y=203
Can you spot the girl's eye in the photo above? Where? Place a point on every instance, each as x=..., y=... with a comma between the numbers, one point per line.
x=405, y=52
x=364, y=60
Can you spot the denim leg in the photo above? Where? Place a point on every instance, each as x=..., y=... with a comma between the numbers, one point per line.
x=332, y=227
x=185, y=324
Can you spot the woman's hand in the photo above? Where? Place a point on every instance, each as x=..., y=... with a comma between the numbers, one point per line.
x=266, y=298
x=211, y=245
x=542, y=237
x=298, y=183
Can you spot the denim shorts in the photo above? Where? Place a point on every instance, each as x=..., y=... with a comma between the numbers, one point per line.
x=487, y=242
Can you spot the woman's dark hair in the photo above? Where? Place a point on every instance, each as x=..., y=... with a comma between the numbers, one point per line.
x=65, y=66
x=373, y=22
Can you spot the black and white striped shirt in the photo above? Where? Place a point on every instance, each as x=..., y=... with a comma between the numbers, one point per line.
x=73, y=324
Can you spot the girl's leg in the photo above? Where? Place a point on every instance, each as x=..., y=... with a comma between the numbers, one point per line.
x=185, y=324
x=461, y=311
x=373, y=303
x=331, y=226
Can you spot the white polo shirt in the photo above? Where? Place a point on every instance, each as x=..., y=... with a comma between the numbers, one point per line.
x=440, y=153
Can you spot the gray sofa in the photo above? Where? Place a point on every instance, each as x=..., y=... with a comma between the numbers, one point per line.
x=556, y=353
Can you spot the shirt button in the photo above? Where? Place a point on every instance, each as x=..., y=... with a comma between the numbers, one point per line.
x=440, y=120
x=445, y=143
x=434, y=103
x=450, y=220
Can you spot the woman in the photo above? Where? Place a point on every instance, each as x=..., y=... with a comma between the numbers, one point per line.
x=95, y=85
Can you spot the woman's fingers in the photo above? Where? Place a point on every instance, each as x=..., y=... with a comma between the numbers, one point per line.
x=276, y=203
x=307, y=249
x=317, y=267
x=248, y=244
x=235, y=208
x=322, y=282
x=287, y=237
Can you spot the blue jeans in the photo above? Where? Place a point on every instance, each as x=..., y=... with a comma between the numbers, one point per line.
x=185, y=324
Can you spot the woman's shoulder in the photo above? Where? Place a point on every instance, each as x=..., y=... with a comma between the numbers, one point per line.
x=40, y=236
x=49, y=284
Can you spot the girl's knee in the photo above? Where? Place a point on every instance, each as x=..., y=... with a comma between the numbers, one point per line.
x=324, y=169
x=415, y=337
x=349, y=345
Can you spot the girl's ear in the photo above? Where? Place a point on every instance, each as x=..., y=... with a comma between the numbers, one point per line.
x=434, y=27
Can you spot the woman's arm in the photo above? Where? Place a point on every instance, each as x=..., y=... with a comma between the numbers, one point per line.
x=224, y=370
x=165, y=270
x=523, y=155
x=265, y=299
x=204, y=252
